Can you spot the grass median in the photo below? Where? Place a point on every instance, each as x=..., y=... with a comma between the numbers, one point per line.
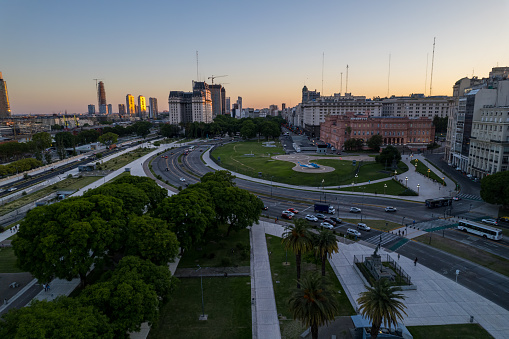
x=453, y=331
x=473, y=254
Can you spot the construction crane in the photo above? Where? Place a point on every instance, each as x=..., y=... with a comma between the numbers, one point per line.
x=217, y=76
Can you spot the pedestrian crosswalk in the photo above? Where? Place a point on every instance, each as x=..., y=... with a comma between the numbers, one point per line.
x=426, y=225
x=382, y=238
x=469, y=197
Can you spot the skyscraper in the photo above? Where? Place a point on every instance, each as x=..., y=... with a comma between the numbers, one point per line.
x=121, y=109
x=217, y=102
x=5, y=108
x=101, y=98
x=153, y=107
x=130, y=105
x=110, y=109
x=91, y=109
x=142, y=105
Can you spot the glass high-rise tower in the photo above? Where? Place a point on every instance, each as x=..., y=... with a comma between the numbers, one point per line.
x=101, y=98
x=5, y=108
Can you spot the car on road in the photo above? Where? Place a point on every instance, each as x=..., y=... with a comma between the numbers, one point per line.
x=293, y=210
x=458, y=169
x=287, y=215
x=490, y=221
x=325, y=224
x=320, y=216
x=330, y=221
x=265, y=208
x=311, y=217
x=390, y=209
x=504, y=219
x=12, y=189
x=363, y=226
x=353, y=232
x=336, y=220
x=182, y=179
x=456, y=198
x=355, y=210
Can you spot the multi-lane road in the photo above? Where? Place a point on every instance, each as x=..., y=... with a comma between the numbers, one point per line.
x=182, y=170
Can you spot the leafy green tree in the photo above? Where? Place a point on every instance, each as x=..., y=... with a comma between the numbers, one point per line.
x=66, y=139
x=494, y=188
x=380, y=303
x=189, y=213
x=88, y=136
x=375, y=142
x=159, y=277
x=390, y=156
x=142, y=128
x=154, y=192
x=150, y=238
x=108, y=139
x=315, y=304
x=125, y=299
x=224, y=177
x=298, y=240
x=63, y=240
x=353, y=144
x=47, y=157
x=134, y=199
x=61, y=318
x=248, y=130
x=325, y=245
x=42, y=140
x=169, y=131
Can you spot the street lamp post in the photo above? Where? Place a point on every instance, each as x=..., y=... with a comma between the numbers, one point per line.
x=385, y=186
x=406, y=182
x=416, y=166
x=443, y=180
x=418, y=188
x=428, y=172
x=272, y=177
x=352, y=186
x=356, y=176
x=202, y=317
x=403, y=221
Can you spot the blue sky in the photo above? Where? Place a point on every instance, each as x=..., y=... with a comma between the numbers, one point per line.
x=51, y=50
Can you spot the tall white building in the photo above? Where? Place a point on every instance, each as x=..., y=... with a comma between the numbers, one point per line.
x=190, y=106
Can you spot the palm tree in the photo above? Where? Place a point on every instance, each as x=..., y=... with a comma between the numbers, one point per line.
x=379, y=303
x=326, y=244
x=313, y=304
x=298, y=240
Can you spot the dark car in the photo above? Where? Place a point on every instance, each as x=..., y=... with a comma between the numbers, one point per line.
x=336, y=220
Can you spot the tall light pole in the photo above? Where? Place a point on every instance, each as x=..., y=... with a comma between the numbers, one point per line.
x=403, y=221
x=428, y=172
x=443, y=180
x=271, y=185
x=356, y=176
x=416, y=165
x=418, y=186
x=385, y=186
x=406, y=182
x=202, y=317
x=352, y=186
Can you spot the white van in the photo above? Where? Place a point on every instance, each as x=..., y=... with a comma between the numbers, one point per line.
x=363, y=227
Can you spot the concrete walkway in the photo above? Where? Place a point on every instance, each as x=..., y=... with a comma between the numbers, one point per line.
x=264, y=313
x=437, y=300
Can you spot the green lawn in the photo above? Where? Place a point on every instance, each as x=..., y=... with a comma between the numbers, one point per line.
x=8, y=261
x=393, y=188
x=380, y=225
x=284, y=279
x=456, y=331
x=236, y=157
x=227, y=303
x=124, y=159
x=213, y=253
x=486, y=259
x=423, y=169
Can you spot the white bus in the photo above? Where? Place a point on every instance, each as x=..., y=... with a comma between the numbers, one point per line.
x=481, y=230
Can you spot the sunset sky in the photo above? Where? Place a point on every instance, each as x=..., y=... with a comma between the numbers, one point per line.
x=52, y=50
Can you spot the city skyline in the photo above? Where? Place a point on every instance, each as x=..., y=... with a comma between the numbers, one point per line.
x=55, y=51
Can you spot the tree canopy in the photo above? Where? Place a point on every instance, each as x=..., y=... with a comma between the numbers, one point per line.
x=390, y=156
x=494, y=188
x=63, y=240
x=134, y=199
x=375, y=142
x=108, y=139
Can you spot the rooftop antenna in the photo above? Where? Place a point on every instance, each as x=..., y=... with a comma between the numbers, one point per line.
x=341, y=85
x=323, y=60
x=426, y=79
x=197, y=78
x=389, y=76
x=432, y=62
x=346, y=90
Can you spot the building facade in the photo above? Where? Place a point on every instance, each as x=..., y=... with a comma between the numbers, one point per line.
x=101, y=97
x=130, y=104
x=154, y=110
x=142, y=106
x=415, y=133
x=5, y=108
x=121, y=109
x=217, y=100
x=417, y=105
x=192, y=106
x=91, y=109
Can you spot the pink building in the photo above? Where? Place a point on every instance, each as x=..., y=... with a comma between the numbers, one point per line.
x=410, y=132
